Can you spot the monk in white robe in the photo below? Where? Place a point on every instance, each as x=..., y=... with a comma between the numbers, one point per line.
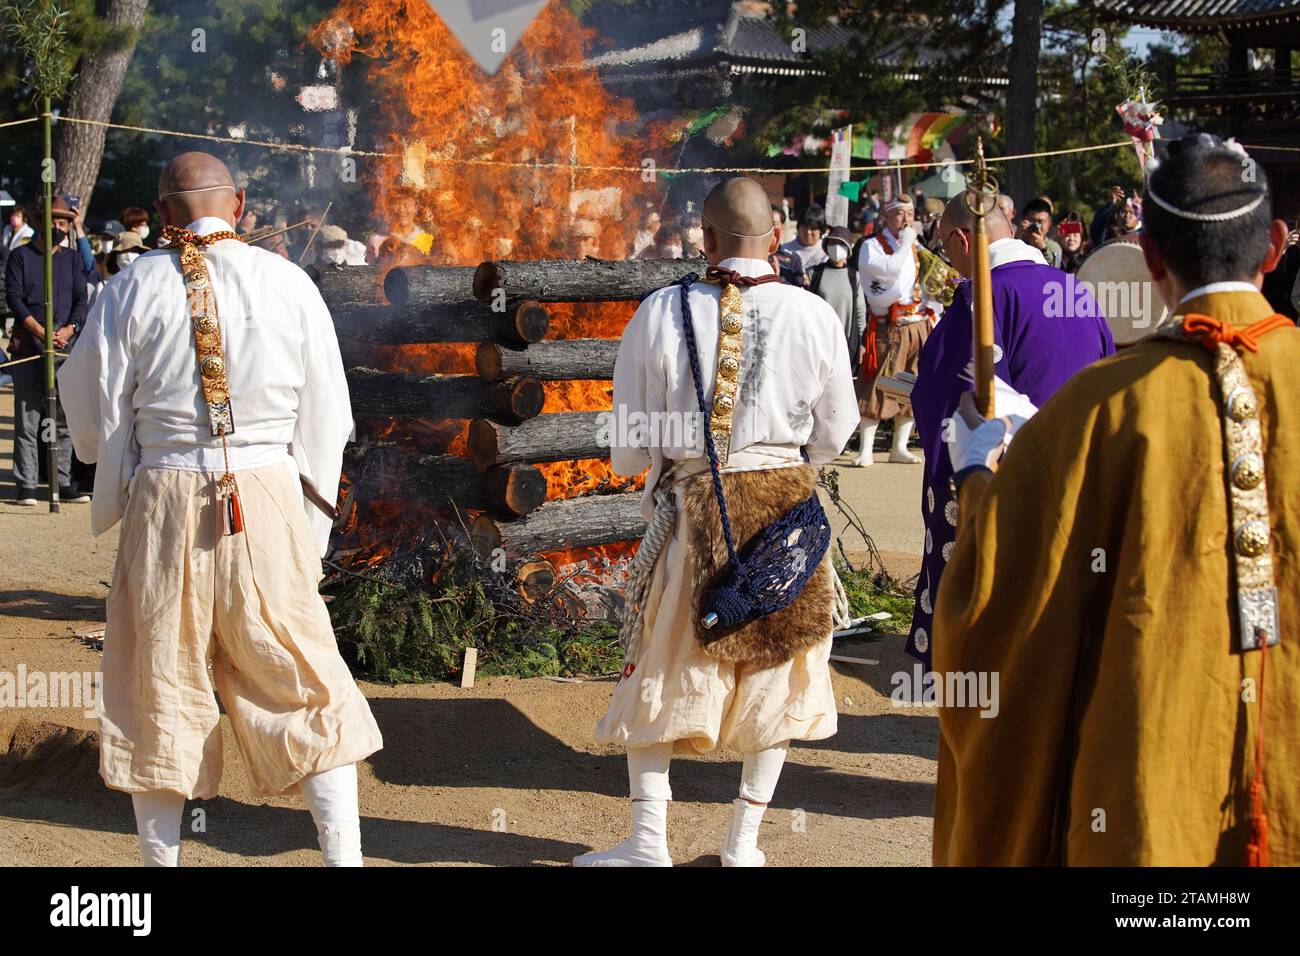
x=795, y=390
x=193, y=605
x=901, y=318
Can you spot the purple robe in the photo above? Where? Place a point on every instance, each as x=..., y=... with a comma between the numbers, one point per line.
x=1037, y=349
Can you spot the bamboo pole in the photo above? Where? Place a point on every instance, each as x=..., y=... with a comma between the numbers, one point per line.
x=49, y=422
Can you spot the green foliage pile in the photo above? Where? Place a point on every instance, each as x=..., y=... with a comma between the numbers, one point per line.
x=404, y=631
x=871, y=592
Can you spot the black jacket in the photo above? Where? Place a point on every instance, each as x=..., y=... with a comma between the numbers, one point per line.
x=25, y=293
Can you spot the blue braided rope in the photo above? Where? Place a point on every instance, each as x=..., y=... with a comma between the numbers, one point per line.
x=688, y=327
x=770, y=574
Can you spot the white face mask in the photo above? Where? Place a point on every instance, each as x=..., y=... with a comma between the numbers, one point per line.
x=124, y=259
x=331, y=257
x=142, y=232
x=838, y=254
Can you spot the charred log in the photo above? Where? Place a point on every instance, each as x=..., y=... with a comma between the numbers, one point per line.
x=512, y=400
x=552, y=361
x=340, y=285
x=371, y=324
x=557, y=525
x=557, y=437
x=580, y=280
x=429, y=285
x=390, y=471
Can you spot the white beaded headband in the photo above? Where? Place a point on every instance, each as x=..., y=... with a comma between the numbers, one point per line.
x=202, y=189
x=738, y=235
x=1206, y=216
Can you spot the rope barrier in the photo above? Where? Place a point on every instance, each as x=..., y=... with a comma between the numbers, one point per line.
x=578, y=167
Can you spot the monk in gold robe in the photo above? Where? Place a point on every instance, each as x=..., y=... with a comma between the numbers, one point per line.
x=1105, y=574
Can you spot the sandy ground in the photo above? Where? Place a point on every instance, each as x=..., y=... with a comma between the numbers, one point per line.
x=502, y=774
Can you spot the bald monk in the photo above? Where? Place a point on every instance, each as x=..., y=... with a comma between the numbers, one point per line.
x=1038, y=345
x=1124, y=569
x=784, y=385
x=209, y=389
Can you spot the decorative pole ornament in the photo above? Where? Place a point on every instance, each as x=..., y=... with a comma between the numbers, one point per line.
x=1141, y=118
x=981, y=198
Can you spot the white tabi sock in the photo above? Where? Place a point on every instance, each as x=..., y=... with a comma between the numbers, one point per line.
x=332, y=798
x=867, y=442
x=903, y=432
x=647, y=771
x=646, y=846
x=758, y=778
x=158, y=826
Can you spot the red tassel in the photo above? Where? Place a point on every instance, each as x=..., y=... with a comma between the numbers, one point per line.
x=236, y=514
x=1257, y=848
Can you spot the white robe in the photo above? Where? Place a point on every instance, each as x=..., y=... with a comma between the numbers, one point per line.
x=888, y=278
x=795, y=384
x=131, y=393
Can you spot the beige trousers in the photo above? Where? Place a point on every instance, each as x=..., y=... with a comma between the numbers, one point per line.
x=190, y=608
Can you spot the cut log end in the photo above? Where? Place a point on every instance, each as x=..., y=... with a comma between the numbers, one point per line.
x=531, y=320
x=484, y=447
x=486, y=281
x=536, y=579
x=488, y=362
x=397, y=288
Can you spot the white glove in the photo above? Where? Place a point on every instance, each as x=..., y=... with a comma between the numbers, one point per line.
x=981, y=442
x=908, y=236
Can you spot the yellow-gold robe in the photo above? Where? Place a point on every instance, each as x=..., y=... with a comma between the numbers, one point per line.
x=1093, y=574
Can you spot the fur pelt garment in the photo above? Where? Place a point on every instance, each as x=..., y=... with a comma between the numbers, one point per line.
x=755, y=499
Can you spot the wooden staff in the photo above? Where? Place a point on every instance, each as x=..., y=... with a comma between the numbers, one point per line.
x=315, y=232
x=982, y=199
x=266, y=232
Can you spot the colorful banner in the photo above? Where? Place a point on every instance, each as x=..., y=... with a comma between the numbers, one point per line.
x=837, y=204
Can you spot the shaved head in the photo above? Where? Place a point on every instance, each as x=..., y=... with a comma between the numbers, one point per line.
x=956, y=228
x=738, y=221
x=195, y=184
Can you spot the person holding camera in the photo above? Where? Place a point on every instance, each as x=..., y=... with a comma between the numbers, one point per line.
x=1035, y=224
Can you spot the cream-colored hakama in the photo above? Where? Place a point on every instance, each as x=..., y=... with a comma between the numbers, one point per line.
x=184, y=595
x=191, y=608
x=678, y=693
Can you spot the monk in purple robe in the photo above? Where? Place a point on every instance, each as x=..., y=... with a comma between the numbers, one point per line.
x=1046, y=327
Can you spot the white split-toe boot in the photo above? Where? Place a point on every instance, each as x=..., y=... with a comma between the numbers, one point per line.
x=867, y=441
x=902, y=432
x=646, y=846
x=741, y=845
x=341, y=846
x=160, y=855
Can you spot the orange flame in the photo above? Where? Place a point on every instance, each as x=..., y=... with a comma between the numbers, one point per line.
x=451, y=164
x=453, y=191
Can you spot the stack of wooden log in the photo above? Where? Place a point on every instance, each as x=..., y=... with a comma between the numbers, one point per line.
x=502, y=307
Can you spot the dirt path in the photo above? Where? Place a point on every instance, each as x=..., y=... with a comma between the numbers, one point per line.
x=502, y=774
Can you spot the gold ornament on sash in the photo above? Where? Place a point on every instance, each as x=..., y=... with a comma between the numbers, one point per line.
x=727, y=383
x=213, y=381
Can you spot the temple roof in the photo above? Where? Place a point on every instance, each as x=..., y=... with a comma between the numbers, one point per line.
x=1198, y=16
